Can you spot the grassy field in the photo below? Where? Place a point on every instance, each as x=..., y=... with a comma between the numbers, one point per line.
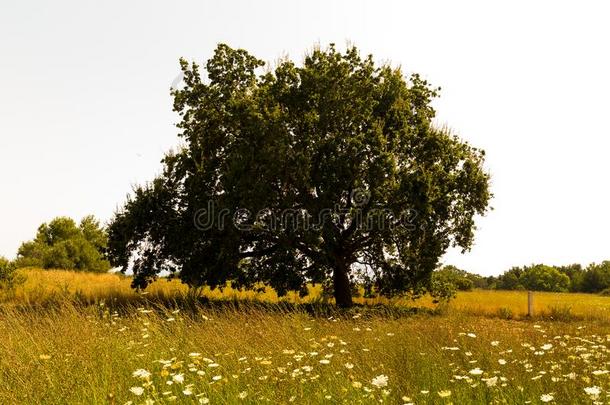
x=43, y=286
x=85, y=338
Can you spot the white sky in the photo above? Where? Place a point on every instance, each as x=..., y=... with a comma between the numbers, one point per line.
x=85, y=110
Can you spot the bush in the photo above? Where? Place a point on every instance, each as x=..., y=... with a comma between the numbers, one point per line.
x=61, y=244
x=505, y=313
x=458, y=278
x=442, y=291
x=596, y=277
x=9, y=278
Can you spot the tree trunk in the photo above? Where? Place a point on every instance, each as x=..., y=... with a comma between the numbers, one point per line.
x=341, y=284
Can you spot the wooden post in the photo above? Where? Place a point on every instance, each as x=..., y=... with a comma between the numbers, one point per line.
x=530, y=304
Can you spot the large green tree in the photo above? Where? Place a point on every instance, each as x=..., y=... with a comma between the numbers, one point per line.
x=330, y=172
x=62, y=244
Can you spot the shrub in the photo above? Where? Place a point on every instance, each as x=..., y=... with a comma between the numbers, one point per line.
x=596, y=277
x=505, y=313
x=560, y=313
x=62, y=244
x=442, y=291
x=452, y=275
x=8, y=275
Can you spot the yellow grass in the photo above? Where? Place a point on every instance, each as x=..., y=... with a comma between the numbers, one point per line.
x=99, y=342
x=41, y=285
x=590, y=306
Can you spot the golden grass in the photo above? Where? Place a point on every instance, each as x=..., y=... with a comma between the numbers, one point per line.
x=70, y=353
x=588, y=306
x=41, y=285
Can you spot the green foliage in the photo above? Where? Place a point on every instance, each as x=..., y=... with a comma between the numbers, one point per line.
x=537, y=277
x=61, y=244
x=8, y=275
x=509, y=280
x=593, y=279
x=596, y=277
x=442, y=290
x=481, y=282
x=336, y=140
x=544, y=278
x=575, y=272
x=462, y=280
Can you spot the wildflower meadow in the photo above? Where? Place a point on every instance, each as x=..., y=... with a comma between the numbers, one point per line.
x=79, y=337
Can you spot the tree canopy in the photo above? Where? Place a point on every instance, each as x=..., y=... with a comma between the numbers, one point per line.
x=544, y=278
x=62, y=244
x=462, y=280
x=594, y=278
x=329, y=172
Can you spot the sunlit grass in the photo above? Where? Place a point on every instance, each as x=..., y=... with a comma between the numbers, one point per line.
x=44, y=285
x=588, y=306
x=114, y=345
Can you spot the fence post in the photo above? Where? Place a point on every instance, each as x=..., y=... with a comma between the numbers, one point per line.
x=530, y=304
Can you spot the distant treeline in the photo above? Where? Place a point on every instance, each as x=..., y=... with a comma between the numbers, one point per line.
x=594, y=278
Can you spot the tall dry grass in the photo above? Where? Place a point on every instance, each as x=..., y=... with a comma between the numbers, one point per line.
x=42, y=286
x=96, y=341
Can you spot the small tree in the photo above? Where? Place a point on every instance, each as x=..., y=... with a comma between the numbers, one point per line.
x=8, y=275
x=576, y=273
x=327, y=172
x=61, y=244
x=452, y=275
x=596, y=277
x=510, y=280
